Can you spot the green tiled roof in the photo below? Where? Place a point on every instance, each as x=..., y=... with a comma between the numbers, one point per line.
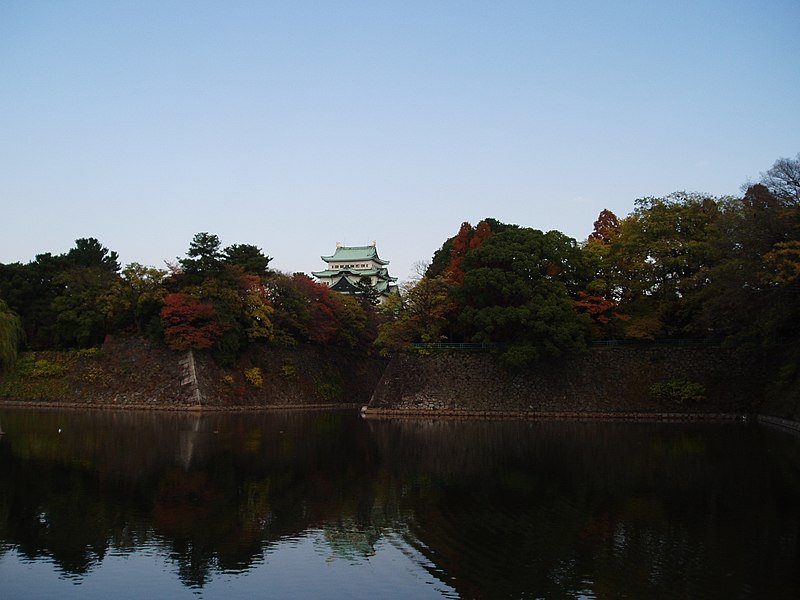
x=355, y=253
x=356, y=272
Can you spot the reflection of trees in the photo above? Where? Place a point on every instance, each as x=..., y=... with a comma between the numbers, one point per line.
x=350, y=540
x=633, y=510
x=493, y=509
x=215, y=491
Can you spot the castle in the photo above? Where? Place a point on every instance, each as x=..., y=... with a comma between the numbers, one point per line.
x=351, y=268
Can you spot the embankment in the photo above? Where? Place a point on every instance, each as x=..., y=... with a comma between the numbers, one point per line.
x=606, y=381
x=133, y=373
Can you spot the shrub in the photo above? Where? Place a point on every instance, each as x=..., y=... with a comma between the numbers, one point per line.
x=289, y=371
x=679, y=391
x=254, y=376
x=40, y=368
x=330, y=392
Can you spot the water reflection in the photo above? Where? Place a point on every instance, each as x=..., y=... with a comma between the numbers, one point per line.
x=478, y=509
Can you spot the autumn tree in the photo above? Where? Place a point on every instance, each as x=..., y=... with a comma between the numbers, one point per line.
x=606, y=228
x=326, y=321
x=189, y=323
x=420, y=313
x=600, y=298
x=447, y=260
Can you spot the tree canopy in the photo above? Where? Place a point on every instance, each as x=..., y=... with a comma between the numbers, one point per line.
x=680, y=266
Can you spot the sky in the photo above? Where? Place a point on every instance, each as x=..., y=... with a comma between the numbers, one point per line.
x=295, y=125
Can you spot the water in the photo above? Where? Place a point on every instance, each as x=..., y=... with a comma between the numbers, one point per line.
x=329, y=505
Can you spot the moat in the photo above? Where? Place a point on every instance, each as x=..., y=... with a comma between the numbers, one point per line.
x=319, y=504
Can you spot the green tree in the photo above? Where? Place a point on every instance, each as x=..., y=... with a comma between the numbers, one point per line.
x=29, y=290
x=292, y=309
x=11, y=335
x=204, y=257
x=518, y=291
x=251, y=259
x=750, y=297
x=89, y=270
x=135, y=299
x=658, y=260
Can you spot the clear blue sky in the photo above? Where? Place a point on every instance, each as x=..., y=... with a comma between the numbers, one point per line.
x=293, y=125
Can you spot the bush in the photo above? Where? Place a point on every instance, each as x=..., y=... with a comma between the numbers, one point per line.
x=254, y=377
x=330, y=392
x=40, y=368
x=679, y=391
x=288, y=370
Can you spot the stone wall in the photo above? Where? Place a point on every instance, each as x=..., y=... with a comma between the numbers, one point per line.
x=133, y=373
x=607, y=380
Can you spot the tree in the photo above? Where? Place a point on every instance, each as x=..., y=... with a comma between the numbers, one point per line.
x=90, y=253
x=11, y=335
x=258, y=312
x=420, y=314
x=447, y=260
x=204, y=258
x=783, y=180
x=135, y=298
x=606, y=228
x=325, y=325
x=250, y=258
x=29, y=291
x=88, y=271
x=366, y=292
x=292, y=309
x=517, y=292
x=750, y=296
x=189, y=323
x=659, y=258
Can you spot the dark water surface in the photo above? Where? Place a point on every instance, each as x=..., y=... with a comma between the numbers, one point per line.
x=329, y=505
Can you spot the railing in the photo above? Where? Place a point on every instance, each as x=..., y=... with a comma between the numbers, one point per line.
x=452, y=346
x=596, y=343
x=662, y=342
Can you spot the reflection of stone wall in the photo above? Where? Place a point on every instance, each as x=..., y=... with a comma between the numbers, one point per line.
x=604, y=380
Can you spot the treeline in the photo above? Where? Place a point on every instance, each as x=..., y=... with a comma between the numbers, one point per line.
x=682, y=266
x=214, y=298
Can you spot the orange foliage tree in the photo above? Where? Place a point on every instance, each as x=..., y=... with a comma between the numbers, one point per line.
x=188, y=323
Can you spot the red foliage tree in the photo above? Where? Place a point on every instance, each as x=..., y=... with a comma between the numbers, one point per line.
x=323, y=325
x=188, y=323
x=605, y=228
x=482, y=233
x=460, y=248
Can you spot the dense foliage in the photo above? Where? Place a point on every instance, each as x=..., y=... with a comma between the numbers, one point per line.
x=214, y=298
x=682, y=266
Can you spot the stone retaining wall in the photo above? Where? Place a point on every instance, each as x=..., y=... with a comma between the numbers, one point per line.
x=604, y=381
